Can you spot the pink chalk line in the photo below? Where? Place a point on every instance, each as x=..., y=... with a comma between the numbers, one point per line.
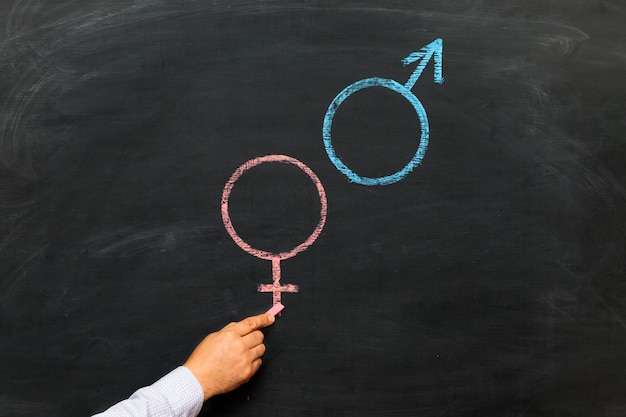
x=276, y=288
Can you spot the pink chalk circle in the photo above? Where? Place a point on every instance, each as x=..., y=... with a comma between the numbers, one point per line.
x=276, y=287
x=261, y=253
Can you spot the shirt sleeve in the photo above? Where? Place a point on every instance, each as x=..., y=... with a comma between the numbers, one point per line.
x=177, y=394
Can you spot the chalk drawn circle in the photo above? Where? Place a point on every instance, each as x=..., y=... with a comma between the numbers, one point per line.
x=261, y=253
x=404, y=92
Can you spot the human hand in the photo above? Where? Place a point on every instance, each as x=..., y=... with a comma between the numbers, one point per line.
x=228, y=358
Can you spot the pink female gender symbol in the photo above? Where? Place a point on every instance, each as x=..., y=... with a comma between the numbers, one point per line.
x=275, y=288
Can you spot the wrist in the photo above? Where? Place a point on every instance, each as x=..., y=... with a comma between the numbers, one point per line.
x=208, y=389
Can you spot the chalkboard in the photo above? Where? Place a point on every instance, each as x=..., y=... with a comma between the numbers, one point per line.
x=484, y=276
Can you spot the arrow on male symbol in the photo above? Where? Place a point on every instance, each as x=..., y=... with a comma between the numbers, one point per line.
x=435, y=48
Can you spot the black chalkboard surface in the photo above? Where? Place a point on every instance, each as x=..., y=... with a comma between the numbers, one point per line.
x=486, y=279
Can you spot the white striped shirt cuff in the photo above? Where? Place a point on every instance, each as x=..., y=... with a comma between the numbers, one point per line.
x=177, y=394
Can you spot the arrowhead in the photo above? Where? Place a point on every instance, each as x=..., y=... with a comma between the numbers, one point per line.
x=435, y=48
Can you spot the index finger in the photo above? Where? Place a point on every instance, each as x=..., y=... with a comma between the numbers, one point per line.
x=250, y=324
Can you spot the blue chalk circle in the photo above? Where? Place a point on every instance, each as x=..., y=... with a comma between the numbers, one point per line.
x=328, y=122
x=434, y=49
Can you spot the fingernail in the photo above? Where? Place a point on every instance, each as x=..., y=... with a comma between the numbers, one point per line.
x=271, y=318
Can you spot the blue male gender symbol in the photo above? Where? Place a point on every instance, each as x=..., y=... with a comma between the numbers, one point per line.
x=435, y=49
